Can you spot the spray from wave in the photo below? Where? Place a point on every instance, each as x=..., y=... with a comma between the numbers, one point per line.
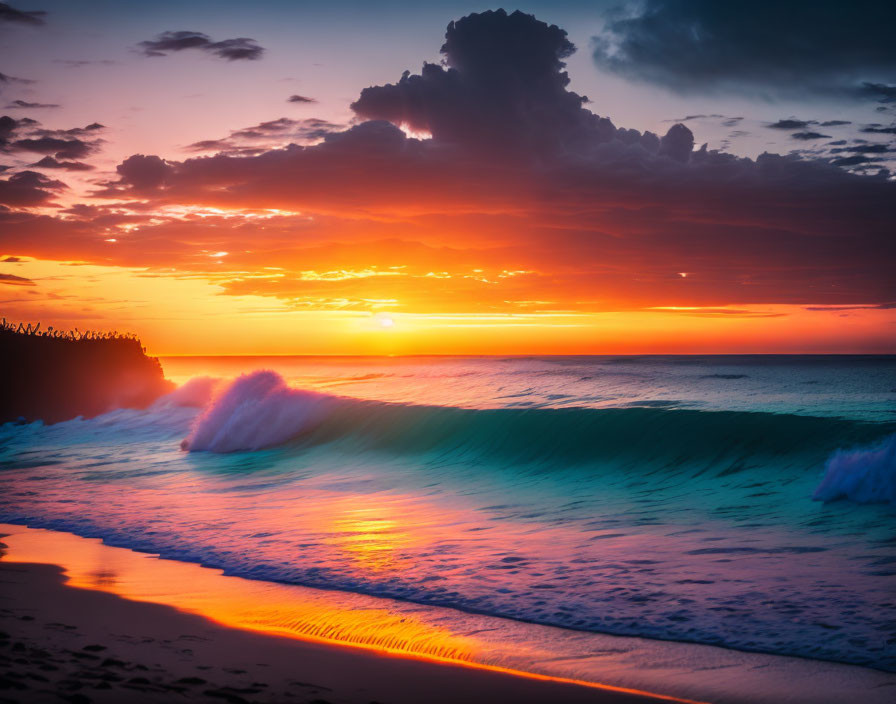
x=196, y=393
x=866, y=475
x=255, y=411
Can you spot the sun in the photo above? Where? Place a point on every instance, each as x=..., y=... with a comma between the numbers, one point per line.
x=385, y=322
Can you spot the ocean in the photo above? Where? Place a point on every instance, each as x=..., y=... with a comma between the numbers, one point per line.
x=737, y=501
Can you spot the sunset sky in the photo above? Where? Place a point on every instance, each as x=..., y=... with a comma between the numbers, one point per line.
x=393, y=178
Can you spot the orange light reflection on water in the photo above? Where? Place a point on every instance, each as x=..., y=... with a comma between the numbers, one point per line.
x=301, y=612
x=234, y=601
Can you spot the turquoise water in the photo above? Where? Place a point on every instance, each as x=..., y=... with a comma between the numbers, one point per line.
x=668, y=497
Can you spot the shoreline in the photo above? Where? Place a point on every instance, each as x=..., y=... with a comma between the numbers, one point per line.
x=85, y=645
x=396, y=652
x=69, y=641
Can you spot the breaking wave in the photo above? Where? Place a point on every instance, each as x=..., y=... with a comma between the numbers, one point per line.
x=865, y=475
x=259, y=410
x=255, y=411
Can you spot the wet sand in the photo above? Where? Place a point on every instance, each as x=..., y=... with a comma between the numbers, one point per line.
x=61, y=643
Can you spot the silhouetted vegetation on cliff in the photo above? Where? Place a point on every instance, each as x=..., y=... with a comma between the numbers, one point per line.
x=55, y=375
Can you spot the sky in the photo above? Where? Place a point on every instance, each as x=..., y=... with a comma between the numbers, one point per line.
x=664, y=176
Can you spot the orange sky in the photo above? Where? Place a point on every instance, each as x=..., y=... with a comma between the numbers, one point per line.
x=480, y=206
x=191, y=315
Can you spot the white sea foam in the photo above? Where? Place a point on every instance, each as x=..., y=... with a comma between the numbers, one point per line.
x=255, y=411
x=196, y=393
x=866, y=475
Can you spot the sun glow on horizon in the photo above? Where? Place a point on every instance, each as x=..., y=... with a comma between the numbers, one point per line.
x=183, y=313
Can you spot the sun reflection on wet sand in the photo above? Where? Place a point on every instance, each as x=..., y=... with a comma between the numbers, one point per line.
x=383, y=625
x=233, y=601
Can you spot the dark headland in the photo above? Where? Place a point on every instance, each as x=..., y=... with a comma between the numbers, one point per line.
x=54, y=376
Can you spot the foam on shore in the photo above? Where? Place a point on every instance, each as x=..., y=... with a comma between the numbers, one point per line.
x=677, y=670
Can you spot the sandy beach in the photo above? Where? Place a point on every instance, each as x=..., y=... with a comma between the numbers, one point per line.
x=78, y=645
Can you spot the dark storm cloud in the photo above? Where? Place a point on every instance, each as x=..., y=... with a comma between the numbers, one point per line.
x=300, y=99
x=824, y=47
x=11, y=14
x=24, y=104
x=28, y=188
x=240, y=48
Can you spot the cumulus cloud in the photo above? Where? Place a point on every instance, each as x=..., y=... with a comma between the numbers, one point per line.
x=502, y=86
x=143, y=172
x=11, y=14
x=300, y=99
x=801, y=46
x=518, y=171
x=240, y=48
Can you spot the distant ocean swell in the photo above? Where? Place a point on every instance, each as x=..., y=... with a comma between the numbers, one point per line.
x=259, y=410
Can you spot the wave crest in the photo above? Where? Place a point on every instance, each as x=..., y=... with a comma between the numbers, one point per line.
x=259, y=410
x=865, y=475
x=255, y=411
